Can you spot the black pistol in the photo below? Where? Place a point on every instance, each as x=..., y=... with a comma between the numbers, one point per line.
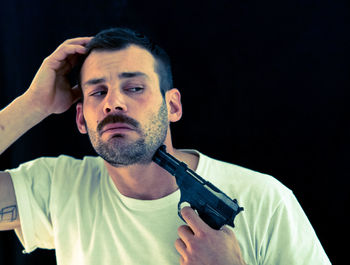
x=213, y=206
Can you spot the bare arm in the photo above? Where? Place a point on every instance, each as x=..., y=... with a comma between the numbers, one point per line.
x=50, y=92
x=9, y=218
x=16, y=119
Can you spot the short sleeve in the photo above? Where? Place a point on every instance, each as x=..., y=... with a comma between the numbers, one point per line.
x=290, y=238
x=32, y=184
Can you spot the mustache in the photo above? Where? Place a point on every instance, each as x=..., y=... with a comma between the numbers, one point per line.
x=117, y=118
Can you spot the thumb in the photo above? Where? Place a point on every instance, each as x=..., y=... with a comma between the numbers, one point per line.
x=76, y=93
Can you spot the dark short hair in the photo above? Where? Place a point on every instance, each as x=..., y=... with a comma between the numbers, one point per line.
x=120, y=38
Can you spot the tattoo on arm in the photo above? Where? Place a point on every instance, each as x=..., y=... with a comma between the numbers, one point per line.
x=8, y=214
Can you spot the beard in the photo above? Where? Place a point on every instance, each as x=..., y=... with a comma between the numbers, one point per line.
x=120, y=150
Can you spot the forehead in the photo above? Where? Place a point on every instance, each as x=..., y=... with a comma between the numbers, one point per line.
x=108, y=64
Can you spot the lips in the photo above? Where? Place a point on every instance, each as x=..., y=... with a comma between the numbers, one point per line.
x=116, y=127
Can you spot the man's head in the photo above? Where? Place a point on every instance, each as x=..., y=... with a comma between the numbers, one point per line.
x=120, y=38
x=125, y=110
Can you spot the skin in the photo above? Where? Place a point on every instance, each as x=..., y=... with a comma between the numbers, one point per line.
x=50, y=93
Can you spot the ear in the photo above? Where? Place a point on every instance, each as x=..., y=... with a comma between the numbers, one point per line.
x=79, y=118
x=173, y=100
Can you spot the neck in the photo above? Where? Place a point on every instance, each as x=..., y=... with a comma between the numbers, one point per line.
x=148, y=181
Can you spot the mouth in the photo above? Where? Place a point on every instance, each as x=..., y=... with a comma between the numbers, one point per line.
x=116, y=128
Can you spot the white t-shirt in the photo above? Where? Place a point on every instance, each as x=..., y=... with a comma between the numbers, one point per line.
x=73, y=206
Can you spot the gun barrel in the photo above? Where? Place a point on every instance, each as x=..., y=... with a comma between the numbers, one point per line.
x=165, y=160
x=174, y=166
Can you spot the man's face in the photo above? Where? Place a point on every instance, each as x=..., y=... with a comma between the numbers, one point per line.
x=123, y=110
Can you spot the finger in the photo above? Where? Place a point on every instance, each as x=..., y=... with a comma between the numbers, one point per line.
x=63, y=68
x=180, y=247
x=64, y=51
x=197, y=225
x=79, y=40
x=69, y=63
x=72, y=60
x=185, y=233
x=62, y=56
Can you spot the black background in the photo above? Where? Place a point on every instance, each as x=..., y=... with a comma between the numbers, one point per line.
x=264, y=85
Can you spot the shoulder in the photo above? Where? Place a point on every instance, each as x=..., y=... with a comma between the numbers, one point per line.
x=251, y=188
x=272, y=215
x=224, y=173
x=56, y=165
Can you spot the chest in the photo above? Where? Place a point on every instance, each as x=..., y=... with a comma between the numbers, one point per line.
x=108, y=232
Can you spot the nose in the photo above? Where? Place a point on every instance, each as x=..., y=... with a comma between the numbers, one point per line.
x=114, y=102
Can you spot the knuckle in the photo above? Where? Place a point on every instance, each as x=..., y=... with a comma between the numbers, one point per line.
x=47, y=59
x=184, y=230
x=203, y=235
x=181, y=228
x=191, y=260
x=67, y=41
x=44, y=64
x=177, y=242
x=47, y=62
x=194, y=248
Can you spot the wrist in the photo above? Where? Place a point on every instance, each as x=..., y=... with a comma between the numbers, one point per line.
x=17, y=118
x=35, y=109
x=28, y=112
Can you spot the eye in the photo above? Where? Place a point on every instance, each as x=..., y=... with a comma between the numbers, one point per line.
x=134, y=89
x=98, y=93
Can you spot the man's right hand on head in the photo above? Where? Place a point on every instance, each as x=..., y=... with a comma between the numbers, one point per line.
x=50, y=91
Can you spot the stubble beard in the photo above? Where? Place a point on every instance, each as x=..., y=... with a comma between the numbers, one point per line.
x=120, y=151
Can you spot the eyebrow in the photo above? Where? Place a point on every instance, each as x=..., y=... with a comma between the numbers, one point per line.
x=124, y=75
x=132, y=74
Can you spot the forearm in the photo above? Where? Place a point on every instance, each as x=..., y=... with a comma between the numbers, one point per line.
x=16, y=119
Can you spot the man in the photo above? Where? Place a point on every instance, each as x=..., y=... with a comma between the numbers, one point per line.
x=120, y=207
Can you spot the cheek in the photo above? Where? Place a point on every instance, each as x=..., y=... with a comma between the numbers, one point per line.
x=157, y=118
x=90, y=119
